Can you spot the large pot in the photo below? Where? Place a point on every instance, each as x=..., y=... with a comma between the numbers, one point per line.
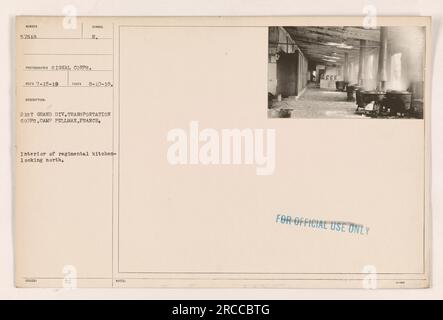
x=398, y=101
x=372, y=96
x=359, y=98
x=340, y=85
x=350, y=89
x=350, y=93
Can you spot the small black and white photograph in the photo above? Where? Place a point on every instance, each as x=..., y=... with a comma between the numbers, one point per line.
x=346, y=72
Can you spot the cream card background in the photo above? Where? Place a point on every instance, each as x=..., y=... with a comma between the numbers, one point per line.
x=141, y=219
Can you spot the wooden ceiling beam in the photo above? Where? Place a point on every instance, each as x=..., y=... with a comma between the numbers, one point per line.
x=363, y=34
x=318, y=42
x=343, y=33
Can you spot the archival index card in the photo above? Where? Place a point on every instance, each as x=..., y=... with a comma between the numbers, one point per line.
x=282, y=152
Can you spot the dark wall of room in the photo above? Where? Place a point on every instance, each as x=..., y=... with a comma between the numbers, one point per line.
x=287, y=65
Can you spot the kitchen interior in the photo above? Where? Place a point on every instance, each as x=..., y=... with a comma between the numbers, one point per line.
x=346, y=72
